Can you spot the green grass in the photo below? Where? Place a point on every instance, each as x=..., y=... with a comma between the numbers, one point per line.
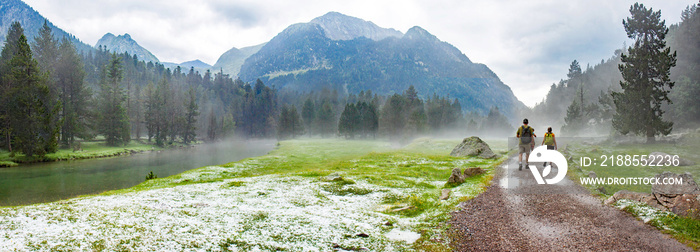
x=92, y=149
x=684, y=229
x=420, y=168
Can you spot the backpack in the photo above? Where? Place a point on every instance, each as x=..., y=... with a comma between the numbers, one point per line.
x=526, y=135
x=549, y=138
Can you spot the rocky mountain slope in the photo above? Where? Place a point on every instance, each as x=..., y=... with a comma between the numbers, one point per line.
x=124, y=43
x=31, y=21
x=339, y=52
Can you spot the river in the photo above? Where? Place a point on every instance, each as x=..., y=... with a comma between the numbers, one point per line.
x=46, y=182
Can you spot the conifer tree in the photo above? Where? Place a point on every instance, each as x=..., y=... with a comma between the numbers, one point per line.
x=308, y=114
x=190, y=129
x=8, y=52
x=45, y=49
x=31, y=111
x=290, y=125
x=349, y=123
x=369, y=119
x=326, y=119
x=646, y=72
x=393, y=118
x=114, y=122
x=213, y=126
x=73, y=94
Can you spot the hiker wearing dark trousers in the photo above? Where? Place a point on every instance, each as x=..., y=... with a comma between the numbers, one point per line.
x=550, y=141
x=525, y=137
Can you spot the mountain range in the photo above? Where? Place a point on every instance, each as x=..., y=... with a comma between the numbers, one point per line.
x=349, y=54
x=333, y=51
x=31, y=21
x=124, y=43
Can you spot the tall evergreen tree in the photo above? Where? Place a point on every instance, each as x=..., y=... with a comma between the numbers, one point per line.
x=416, y=118
x=646, y=70
x=190, y=128
x=73, y=94
x=290, y=125
x=45, y=49
x=369, y=119
x=159, y=104
x=393, y=119
x=326, y=119
x=349, y=123
x=31, y=112
x=308, y=114
x=213, y=126
x=114, y=122
x=8, y=52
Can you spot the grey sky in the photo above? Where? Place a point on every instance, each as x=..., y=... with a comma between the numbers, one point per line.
x=528, y=44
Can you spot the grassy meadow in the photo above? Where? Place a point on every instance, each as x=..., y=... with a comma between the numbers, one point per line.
x=305, y=195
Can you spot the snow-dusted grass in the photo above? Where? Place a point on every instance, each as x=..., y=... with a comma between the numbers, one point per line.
x=684, y=229
x=282, y=201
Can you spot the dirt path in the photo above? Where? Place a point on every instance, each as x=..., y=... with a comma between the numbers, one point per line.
x=517, y=214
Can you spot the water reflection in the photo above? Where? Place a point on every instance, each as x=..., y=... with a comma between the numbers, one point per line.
x=44, y=182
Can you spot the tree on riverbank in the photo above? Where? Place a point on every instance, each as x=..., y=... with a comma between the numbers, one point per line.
x=646, y=71
x=113, y=121
x=74, y=96
x=31, y=106
x=8, y=52
x=190, y=129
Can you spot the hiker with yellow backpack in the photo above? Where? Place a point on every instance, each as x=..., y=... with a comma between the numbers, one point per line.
x=550, y=141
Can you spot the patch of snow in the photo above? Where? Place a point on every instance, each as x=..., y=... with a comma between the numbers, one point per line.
x=401, y=235
x=264, y=212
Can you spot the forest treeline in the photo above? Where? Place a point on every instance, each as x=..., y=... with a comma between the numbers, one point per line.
x=54, y=97
x=583, y=104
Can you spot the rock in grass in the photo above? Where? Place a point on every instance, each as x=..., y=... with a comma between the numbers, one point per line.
x=456, y=177
x=473, y=171
x=445, y=194
x=473, y=147
x=646, y=198
x=334, y=177
x=602, y=190
x=681, y=199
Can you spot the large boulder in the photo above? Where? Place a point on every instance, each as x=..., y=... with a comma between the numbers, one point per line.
x=687, y=187
x=681, y=199
x=473, y=147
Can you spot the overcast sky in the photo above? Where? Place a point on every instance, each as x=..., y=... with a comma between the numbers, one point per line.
x=528, y=44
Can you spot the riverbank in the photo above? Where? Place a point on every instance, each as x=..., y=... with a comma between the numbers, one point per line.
x=311, y=195
x=89, y=150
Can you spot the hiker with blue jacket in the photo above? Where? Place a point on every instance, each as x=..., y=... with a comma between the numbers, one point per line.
x=525, y=135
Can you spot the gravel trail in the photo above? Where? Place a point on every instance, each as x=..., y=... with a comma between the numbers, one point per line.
x=517, y=214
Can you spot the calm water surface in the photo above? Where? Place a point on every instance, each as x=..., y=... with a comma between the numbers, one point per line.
x=46, y=182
